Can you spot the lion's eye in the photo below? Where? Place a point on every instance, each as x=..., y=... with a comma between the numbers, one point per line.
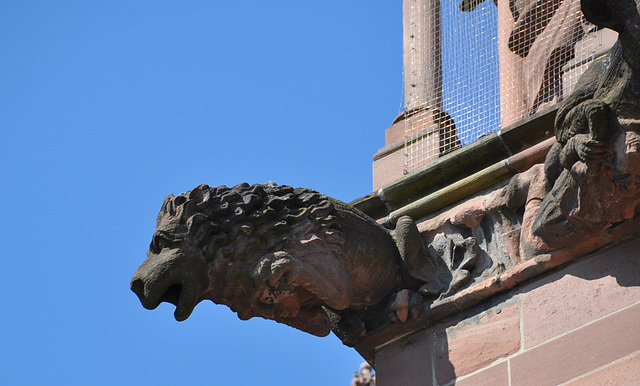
x=158, y=243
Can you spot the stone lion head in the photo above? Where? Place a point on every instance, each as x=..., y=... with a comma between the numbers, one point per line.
x=263, y=250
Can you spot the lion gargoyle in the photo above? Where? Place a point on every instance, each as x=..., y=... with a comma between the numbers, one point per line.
x=291, y=255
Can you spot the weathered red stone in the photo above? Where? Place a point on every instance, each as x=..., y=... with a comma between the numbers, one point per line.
x=581, y=293
x=476, y=342
x=497, y=375
x=622, y=372
x=405, y=362
x=580, y=351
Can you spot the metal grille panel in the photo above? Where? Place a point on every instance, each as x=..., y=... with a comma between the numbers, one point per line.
x=474, y=66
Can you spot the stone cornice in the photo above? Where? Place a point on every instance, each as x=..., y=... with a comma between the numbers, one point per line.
x=480, y=159
x=499, y=283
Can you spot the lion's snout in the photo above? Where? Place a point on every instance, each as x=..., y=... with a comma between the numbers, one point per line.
x=164, y=278
x=137, y=286
x=170, y=295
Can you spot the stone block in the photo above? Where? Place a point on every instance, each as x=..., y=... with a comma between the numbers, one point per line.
x=395, y=133
x=580, y=351
x=497, y=375
x=478, y=341
x=581, y=293
x=621, y=373
x=388, y=168
x=406, y=362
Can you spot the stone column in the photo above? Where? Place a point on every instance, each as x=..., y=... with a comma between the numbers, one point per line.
x=417, y=136
x=512, y=106
x=422, y=53
x=423, y=82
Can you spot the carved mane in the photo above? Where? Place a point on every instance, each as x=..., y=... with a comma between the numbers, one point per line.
x=241, y=223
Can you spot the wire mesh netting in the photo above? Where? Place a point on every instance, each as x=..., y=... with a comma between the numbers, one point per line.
x=474, y=66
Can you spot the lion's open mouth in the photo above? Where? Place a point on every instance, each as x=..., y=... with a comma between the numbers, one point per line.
x=174, y=294
x=171, y=295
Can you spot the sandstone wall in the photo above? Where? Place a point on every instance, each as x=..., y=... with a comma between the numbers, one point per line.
x=577, y=325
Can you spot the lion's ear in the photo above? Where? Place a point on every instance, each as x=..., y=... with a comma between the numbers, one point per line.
x=200, y=197
x=168, y=206
x=194, y=221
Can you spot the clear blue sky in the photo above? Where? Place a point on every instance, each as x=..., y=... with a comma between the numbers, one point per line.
x=108, y=106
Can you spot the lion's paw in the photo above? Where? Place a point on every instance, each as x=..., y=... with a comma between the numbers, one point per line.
x=404, y=305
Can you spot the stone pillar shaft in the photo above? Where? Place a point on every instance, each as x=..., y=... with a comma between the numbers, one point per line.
x=422, y=53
